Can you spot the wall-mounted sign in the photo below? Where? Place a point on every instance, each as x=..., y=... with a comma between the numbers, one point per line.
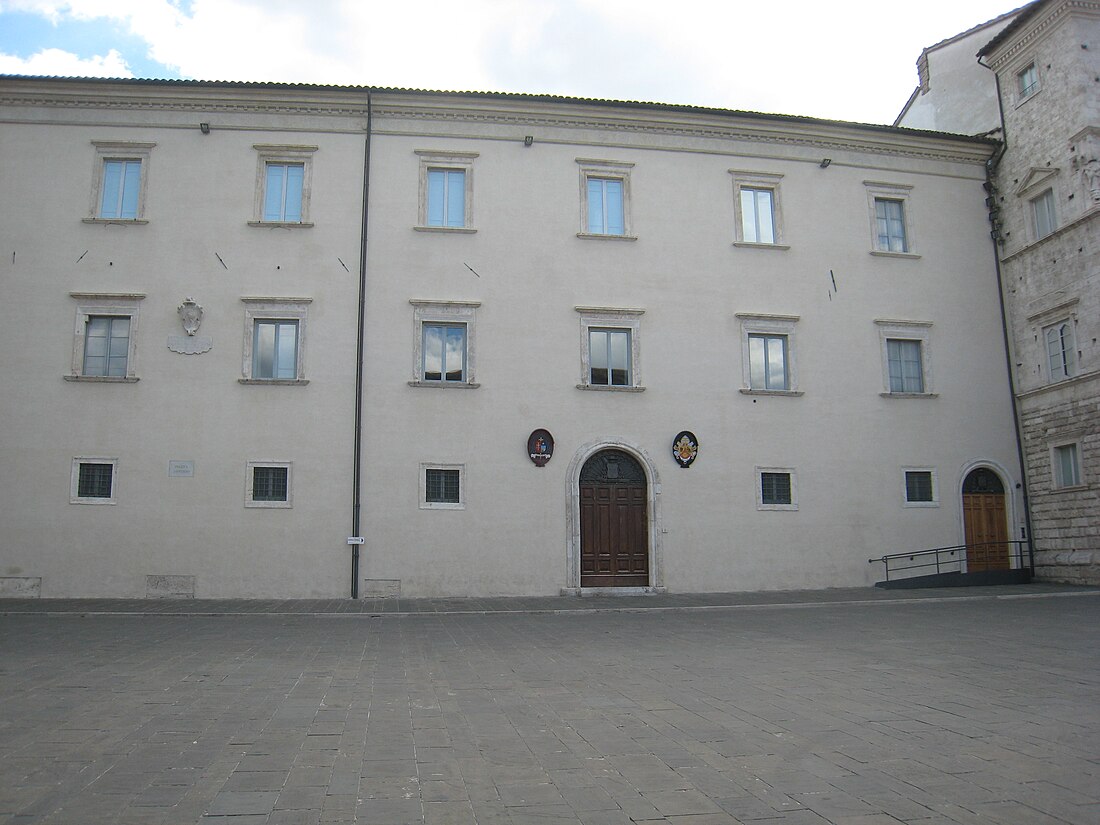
x=181, y=469
x=685, y=447
x=540, y=447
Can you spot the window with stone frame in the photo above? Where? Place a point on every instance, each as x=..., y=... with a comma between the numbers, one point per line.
x=105, y=337
x=605, y=199
x=776, y=488
x=446, y=191
x=610, y=349
x=94, y=480
x=268, y=485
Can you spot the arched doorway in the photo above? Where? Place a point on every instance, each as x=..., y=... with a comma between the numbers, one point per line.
x=613, y=524
x=985, y=522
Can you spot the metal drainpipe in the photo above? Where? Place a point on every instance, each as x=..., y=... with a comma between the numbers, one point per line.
x=356, y=503
x=990, y=166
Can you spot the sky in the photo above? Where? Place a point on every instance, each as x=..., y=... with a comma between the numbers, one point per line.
x=852, y=60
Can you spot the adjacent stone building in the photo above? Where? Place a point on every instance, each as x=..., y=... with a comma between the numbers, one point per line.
x=1032, y=78
x=514, y=344
x=1047, y=214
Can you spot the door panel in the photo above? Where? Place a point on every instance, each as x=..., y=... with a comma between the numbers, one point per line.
x=986, y=532
x=614, y=541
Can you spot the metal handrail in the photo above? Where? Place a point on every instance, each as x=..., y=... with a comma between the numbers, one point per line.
x=937, y=551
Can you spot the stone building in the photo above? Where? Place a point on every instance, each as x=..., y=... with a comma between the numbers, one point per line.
x=516, y=344
x=1043, y=66
x=1047, y=64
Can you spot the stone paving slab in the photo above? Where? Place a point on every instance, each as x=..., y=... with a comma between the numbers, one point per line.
x=523, y=604
x=941, y=708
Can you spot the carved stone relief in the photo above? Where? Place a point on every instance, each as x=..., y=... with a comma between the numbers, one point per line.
x=190, y=313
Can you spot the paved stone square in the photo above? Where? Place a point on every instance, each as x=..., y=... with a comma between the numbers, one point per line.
x=963, y=710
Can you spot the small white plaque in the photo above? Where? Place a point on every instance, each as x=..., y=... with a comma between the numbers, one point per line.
x=181, y=469
x=356, y=540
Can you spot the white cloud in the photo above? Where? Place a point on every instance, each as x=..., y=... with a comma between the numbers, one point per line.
x=58, y=63
x=853, y=60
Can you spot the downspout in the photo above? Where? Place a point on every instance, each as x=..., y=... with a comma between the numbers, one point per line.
x=990, y=167
x=356, y=474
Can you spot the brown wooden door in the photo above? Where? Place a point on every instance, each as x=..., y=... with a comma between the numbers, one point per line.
x=985, y=523
x=614, y=538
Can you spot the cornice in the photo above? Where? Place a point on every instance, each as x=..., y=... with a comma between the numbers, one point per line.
x=1035, y=30
x=252, y=105
x=848, y=136
x=478, y=110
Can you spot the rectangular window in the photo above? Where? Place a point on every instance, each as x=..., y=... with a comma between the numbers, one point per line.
x=441, y=486
x=890, y=225
x=447, y=197
x=1061, y=351
x=121, y=189
x=757, y=209
x=609, y=357
x=768, y=362
x=446, y=191
x=269, y=483
x=275, y=350
x=284, y=182
x=775, y=488
x=1042, y=210
x=105, y=335
x=1067, y=470
x=93, y=481
x=275, y=339
x=444, y=352
x=283, y=192
x=918, y=486
x=1027, y=81
x=906, y=373
x=605, y=207
x=106, y=346
x=610, y=348
x=605, y=199
x=757, y=215
x=768, y=354
x=119, y=181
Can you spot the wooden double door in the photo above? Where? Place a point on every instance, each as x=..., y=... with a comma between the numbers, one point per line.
x=985, y=522
x=614, y=531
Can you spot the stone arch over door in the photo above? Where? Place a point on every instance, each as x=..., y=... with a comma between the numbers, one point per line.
x=986, y=507
x=652, y=510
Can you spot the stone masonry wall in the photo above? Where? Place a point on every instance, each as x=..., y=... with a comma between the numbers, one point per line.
x=1066, y=522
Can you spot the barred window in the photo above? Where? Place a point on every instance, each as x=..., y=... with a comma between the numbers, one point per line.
x=92, y=480
x=95, y=481
x=269, y=483
x=441, y=486
x=775, y=488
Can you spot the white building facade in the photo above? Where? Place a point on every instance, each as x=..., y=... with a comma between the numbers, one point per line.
x=554, y=293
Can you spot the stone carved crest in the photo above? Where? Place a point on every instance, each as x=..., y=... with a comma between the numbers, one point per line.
x=191, y=315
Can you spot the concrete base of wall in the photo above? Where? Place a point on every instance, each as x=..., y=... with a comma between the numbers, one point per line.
x=381, y=589
x=20, y=587
x=169, y=587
